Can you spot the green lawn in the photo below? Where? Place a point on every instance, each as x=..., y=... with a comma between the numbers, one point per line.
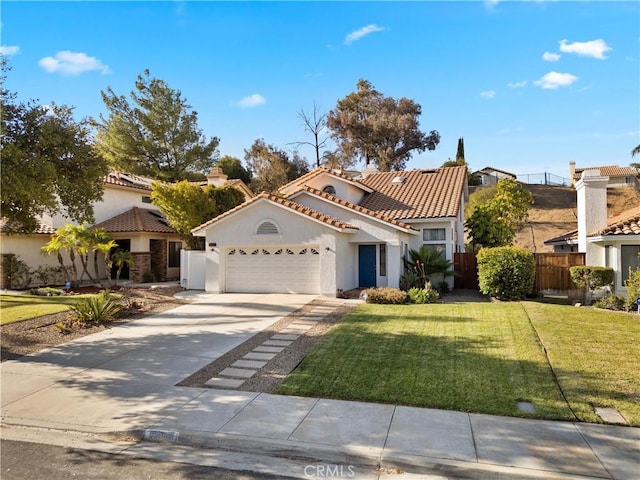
x=14, y=308
x=477, y=357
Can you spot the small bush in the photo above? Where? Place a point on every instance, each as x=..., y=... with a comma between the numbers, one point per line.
x=410, y=279
x=385, y=295
x=632, y=283
x=611, y=302
x=443, y=287
x=589, y=278
x=96, y=309
x=506, y=273
x=428, y=294
x=46, y=292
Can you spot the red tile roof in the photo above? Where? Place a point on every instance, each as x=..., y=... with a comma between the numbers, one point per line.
x=128, y=180
x=608, y=171
x=415, y=194
x=286, y=203
x=627, y=223
x=136, y=220
x=11, y=228
x=352, y=206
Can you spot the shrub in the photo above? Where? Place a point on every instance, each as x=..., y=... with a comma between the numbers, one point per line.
x=633, y=289
x=428, y=294
x=506, y=273
x=611, y=302
x=410, y=279
x=17, y=272
x=386, y=295
x=46, y=292
x=589, y=278
x=96, y=309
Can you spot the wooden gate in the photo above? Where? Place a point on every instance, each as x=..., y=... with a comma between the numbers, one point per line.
x=465, y=267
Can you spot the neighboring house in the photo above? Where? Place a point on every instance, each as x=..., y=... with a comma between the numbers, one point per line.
x=328, y=231
x=126, y=212
x=612, y=242
x=618, y=176
x=490, y=176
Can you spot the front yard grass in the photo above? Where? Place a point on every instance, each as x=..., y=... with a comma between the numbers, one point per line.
x=477, y=357
x=14, y=308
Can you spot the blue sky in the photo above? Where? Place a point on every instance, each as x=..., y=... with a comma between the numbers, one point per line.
x=530, y=85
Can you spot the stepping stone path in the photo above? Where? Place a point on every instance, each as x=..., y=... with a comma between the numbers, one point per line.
x=235, y=375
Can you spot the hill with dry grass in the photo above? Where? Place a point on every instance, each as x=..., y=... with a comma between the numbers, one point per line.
x=554, y=213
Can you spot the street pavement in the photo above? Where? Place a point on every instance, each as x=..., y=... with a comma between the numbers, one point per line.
x=107, y=391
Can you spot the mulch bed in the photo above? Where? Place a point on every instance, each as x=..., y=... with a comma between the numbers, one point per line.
x=30, y=336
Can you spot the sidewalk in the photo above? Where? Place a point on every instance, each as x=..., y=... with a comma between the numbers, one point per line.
x=121, y=381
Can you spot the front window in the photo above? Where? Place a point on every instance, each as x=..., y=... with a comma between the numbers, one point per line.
x=383, y=260
x=174, y=254
x=433, y=239
x=630, y=259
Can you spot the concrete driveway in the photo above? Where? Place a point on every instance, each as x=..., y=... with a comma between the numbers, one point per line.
x=124, y=377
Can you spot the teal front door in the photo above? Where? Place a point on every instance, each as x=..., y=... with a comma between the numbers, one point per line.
x=366, y=266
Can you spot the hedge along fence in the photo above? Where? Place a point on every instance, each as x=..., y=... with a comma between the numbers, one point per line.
x=589, y=278
x=506, y=273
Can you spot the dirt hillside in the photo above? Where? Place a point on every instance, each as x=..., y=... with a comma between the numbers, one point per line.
x=554, y=213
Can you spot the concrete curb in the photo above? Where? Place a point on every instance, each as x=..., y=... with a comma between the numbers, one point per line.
x=364, y=457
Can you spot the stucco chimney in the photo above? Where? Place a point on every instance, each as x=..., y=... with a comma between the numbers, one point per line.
x=369, y=169
x=572, y=171
x=592, y=206
x=216, y=177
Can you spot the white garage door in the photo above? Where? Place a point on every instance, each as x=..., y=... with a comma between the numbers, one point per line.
x=293, y=269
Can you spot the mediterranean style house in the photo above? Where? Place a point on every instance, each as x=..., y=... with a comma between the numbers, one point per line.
x=327, y=231
x=618, y=176
x=126, y=212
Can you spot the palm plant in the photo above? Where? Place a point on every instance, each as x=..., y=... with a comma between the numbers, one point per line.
x=103, y=243
x=120, y=258
x=426, y=263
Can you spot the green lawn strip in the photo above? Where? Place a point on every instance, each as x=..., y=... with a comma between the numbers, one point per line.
x=15, y=308
x=595, y=355
x=474, y=357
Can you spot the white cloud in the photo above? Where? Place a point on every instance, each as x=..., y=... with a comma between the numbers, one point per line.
x=251, y=101
x=593, y=48
x=364, y=31
x=488, y=94
x=72, y=63
x=9, y=50
x=553, y=80
x=521, y=84
x=551, y=57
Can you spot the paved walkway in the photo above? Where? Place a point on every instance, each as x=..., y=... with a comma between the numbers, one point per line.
x=123, y=380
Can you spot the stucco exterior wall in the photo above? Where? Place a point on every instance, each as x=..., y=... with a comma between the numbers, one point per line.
x=293, y=230
x=344, y=190
x=116, y=200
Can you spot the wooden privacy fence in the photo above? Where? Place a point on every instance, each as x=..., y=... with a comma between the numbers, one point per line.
x=552, y=270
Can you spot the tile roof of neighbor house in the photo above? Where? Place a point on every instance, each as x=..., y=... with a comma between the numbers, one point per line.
x=12, y=228
x=571, y=236
x=128, y=180
x=136, y=220
x=627, y=223
x=416, y=194
x=314, y=214
x=487, y=170
x=352, y=206
x=607, y=171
